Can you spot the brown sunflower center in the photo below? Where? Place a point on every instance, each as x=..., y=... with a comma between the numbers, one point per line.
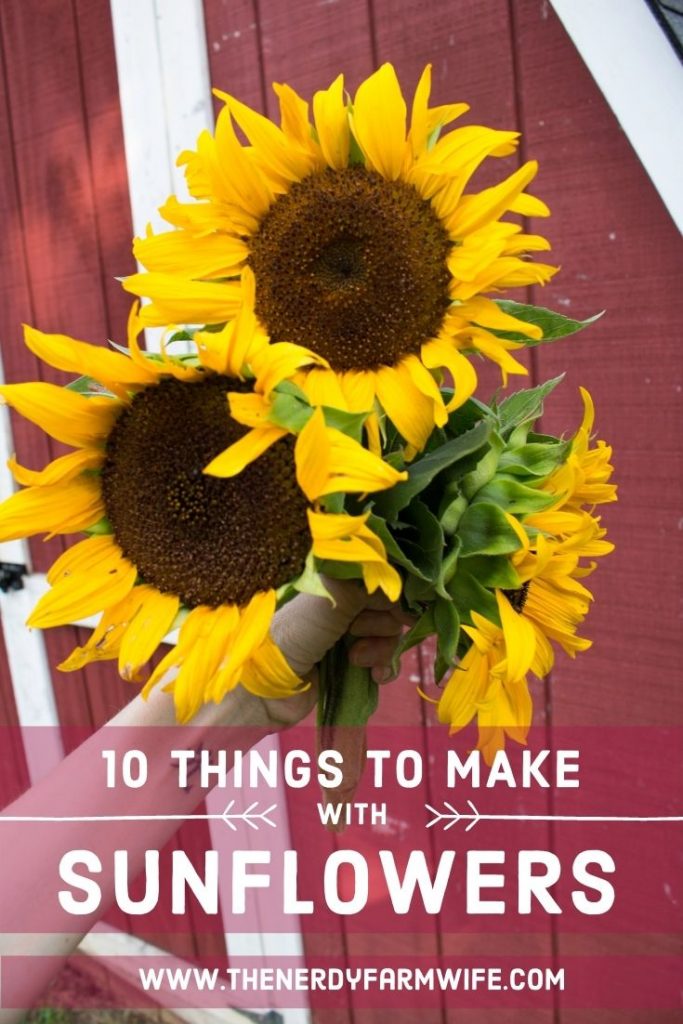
x=352, y=266
x=208, y=540
x=517, y=598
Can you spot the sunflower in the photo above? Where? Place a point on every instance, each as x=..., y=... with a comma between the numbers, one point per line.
x=547, y=607
x=490, y=683
x=168, y=544
x=365, y=246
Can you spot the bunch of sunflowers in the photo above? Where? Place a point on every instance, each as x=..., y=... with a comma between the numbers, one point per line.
x=321, y=420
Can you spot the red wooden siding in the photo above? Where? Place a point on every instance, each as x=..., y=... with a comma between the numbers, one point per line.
x=67, y=236
x=66, y=233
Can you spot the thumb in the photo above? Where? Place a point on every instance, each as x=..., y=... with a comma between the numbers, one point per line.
x=309, y=626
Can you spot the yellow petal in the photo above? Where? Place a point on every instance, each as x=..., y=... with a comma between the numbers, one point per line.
x=379, y=122
x=175, y=299
x=176, y=252
x=332, y=124
x=253, y=628
x=322, y=387
x=358, y=388
x=102, y=577
x=241, y=181
x=104, y=642
x=65, y=415
x=528, y=206
x=83, y=359
x=438, y=353
x=464, y=690
x=329, y=462
x=409, y=410
x=60, y=471
x=476, y=210
x=382, y=576
x=65, y=507
x=267, y=674
x=294, y=115
x=278, y=362
x=233, y=460
x=273, y=147
x=148, y=625
x=205, y=638
x=489, y=314
x=425, y=383
x=520, y=639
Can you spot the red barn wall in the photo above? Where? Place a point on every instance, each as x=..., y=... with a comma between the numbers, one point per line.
x=66, y=235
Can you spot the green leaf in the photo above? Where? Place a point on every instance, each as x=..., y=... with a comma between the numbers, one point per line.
x=419, y=631
x=449, y=566
x=447, y=626
x=485, y=469
x=466, y=415
x=394, y=551
x=451, y=509
x=513, y=496
x=493, y=571
x=554, y=325
x=470, y=596
x=536, y=459
x=484, y=530
x=424, y=542
x=525, y=405
x=423, y=470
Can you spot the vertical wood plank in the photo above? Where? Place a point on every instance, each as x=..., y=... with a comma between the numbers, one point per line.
x=619, y=251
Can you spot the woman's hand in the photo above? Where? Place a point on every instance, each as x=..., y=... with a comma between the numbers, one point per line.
x=309, y=626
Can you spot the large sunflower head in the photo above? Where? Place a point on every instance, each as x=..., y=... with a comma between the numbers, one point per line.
x=168, y=544
x=365, y=245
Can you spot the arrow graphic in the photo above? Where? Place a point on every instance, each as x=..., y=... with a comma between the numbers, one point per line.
x=451, y=816
x=250, y=817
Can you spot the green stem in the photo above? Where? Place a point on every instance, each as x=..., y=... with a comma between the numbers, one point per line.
x=348, y=694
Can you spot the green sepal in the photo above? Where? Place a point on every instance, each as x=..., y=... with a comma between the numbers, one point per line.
x=334, y=503
x=350, y=423
x=88, y=387
x=554, y=325
x=99, y=529
x=492, y=571
x=310, y=580
x=423, y=470
x=484, y=530
x=356, y=156
x=525, y=406
x=289, y=412
x=513, y=496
